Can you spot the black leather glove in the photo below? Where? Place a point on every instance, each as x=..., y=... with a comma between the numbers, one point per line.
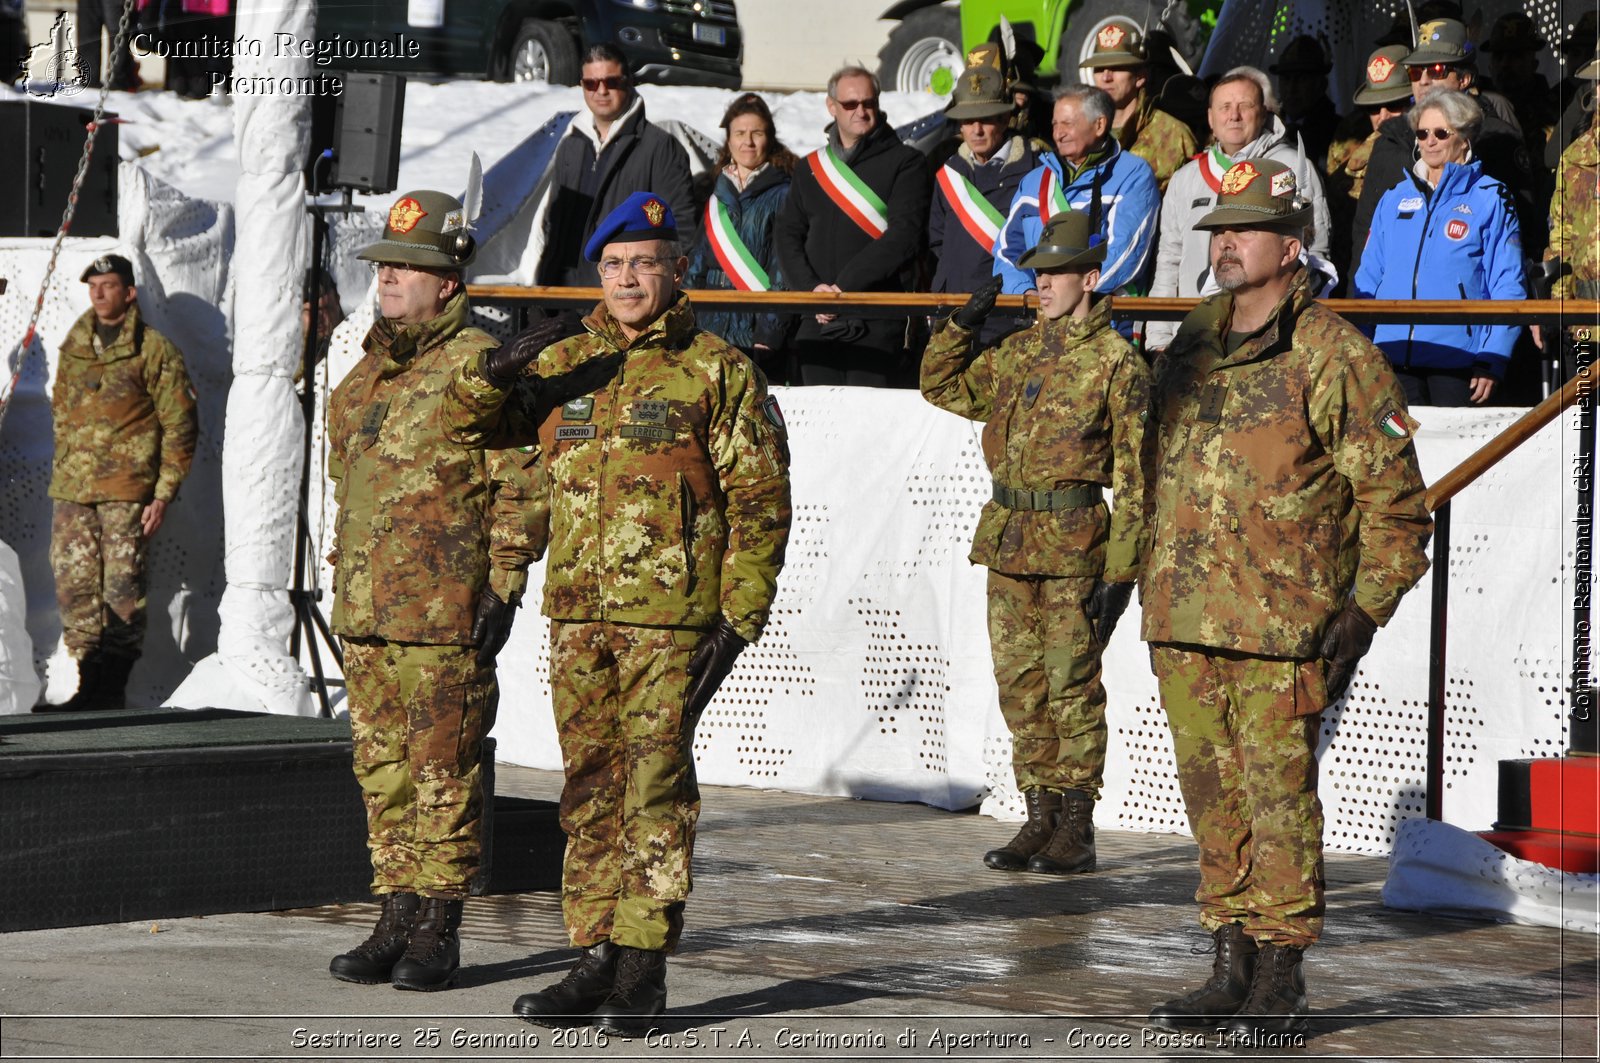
x=505, y=363
x=1105, y=607
x=1347, y=640
x=491, y=626
x=709, y=666
x=980, y=304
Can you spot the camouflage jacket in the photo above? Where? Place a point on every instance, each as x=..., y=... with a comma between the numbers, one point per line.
x=423, y=523
x=1348, y=156
x=1158, y=138
x=1285, y=480
x=668, y=471
x=1575, y=214
x=1064, y=403
x=125, y=423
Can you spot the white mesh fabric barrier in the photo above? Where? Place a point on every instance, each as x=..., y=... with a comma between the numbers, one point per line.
x=179, y=248
x=1254, y=32
x=19, y=686
x=874, y=678
x=1442, y=869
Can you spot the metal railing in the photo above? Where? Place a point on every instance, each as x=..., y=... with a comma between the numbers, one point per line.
x=1548, y=312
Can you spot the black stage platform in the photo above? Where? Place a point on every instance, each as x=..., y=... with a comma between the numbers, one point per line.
x=159, y=813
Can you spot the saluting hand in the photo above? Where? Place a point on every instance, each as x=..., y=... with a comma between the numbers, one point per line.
x=980, y=304
x=505, y=363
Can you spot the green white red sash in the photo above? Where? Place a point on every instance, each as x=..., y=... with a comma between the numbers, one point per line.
x=849, y=192
x=1213, y=164
x=975, y=213
x=1052, y=197
x=732, y=253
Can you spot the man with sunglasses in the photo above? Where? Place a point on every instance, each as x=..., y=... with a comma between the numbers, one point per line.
x=1445, y=57
x=668, y=472
x=855, y=221
x=607, y=153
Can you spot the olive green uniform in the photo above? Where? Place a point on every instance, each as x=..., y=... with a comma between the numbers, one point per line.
x=1575, y=219
x=1285, y=482
x=423, y=526
x=125, y=430
x=1064, y=406
x=1158, y=138
x=667, y=465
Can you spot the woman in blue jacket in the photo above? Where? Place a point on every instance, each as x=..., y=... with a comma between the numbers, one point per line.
x=1446, y=231
x=735, y=249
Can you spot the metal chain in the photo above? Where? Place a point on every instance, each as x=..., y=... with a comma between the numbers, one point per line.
x=20, y=355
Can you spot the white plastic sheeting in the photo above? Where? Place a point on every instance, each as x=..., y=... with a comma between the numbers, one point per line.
x=1445, y=870
x=261, y=454
x=19, y=686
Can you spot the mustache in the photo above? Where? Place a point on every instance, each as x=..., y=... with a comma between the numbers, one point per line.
x=635, y=292
x=1229, y=260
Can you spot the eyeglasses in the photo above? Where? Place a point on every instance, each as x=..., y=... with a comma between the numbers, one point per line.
x=613, y=82
x=1435, y=71
x=644, y=265
x=870, y=103
x=1436, y=134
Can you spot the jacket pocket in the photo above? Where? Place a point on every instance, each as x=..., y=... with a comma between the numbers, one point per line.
x=686, y=513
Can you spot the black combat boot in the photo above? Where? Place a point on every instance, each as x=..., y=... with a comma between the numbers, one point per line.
x=113, y=682
x=1044, y=811
x=1277, y=1000
x=1216, y=1001
x=572, y=1000
x=90, y=667
x=1071, y=848
x=431, y=960
x=639, y=996
x=372, y=961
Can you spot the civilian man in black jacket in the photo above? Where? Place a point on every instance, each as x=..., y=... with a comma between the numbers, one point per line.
x=854, y=222
x=604, y=157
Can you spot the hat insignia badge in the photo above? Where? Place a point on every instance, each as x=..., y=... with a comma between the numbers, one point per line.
x=1238, y=179
x=1111, y=36
x=975, y=84
x=654, y=213
x=102, y=265
x=405, y=214
x=1379, y=69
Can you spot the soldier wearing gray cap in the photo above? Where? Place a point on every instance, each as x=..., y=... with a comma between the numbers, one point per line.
x=1385, y=93
x=1063, y=405
x=1121, y=68
x=1284, y=535
x=431, y=549
x=125, y=430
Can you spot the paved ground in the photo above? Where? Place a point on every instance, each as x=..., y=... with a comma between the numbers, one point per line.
x=819, y=927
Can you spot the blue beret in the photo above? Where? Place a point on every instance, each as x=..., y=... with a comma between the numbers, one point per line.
x=642, y=216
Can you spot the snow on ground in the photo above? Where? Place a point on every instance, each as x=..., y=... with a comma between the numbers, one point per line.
x=189, y=143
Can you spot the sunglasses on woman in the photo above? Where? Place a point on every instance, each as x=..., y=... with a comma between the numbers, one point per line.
x=1437, y=134
x=613, y=82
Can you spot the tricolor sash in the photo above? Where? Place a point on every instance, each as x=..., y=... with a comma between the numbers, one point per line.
x=977, y=215
x=1052, y=197
x=849, y=192
x=1213, y=164
x=732, y=252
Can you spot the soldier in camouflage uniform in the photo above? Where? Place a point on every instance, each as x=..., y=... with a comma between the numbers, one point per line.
x=1122, y=69
x=667, y=464
x=1575, y=220
x=432, y=547
x=1288, y=521
x=125, y=431
x=1064, y=407
x=1385, y=94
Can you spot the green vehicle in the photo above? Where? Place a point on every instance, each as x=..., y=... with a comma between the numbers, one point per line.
x=926, y=51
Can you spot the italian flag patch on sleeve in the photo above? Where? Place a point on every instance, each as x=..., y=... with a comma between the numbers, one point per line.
x=1393, y=425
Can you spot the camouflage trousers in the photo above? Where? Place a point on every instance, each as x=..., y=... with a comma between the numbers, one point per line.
x=1047, y=665
x=418, y=715
x=631, y=801
x=97, y=551
x=1244, y=731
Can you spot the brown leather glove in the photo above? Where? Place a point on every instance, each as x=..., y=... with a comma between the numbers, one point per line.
x=1105, y=607
x=491, y=626
x=1346, y=641
x=505, y=363
x=709, y=666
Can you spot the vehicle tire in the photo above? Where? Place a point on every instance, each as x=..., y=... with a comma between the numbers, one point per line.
x=1088, y=16
x=923, y=53
x=543, y=52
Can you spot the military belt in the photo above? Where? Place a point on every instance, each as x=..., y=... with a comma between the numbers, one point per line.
x=1078, y=496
